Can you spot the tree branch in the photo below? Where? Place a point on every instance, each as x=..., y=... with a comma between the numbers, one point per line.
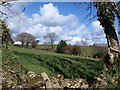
x=116, y=9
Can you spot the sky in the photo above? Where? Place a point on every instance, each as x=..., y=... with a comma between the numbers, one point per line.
x=64, y=19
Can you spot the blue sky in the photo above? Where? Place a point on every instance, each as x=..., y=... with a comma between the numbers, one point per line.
x=62, y=18
x=80, y=10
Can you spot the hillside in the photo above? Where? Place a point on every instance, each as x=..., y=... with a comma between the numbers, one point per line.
x=85, y=51
x=52, y=63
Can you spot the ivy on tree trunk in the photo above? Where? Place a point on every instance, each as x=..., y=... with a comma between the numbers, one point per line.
x=106, y=17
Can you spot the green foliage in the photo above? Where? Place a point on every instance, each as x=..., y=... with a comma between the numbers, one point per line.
x=105, y=14
x=100, y=54
x=6, y=37
x=12, y=68
x=76, y=50
x=53, y=63
x=61, y=46
x=113, y=78
x=68, y=49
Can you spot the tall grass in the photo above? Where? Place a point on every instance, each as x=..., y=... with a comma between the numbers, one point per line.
x=53, y=63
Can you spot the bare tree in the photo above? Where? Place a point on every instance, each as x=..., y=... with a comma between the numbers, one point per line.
x=8, y=4
x=50, y=38
x=25, y=38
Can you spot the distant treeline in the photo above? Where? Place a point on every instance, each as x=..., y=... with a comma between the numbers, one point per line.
x=97, y=52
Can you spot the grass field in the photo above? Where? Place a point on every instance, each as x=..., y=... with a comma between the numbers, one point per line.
x=53, y=63
x=86, y=51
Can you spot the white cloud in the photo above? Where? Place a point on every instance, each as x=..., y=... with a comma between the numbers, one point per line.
x=81, y=41
x=49, y=11
x=58, y=30
x=96, y=26
x=79, y=30
x=98, y=29
x=98, y=34
x=49, y=19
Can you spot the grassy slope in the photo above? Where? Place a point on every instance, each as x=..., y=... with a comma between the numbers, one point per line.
x=12, y=69
x=53, y=63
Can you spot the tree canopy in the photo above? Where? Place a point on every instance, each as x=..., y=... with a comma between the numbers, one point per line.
x=25, y=38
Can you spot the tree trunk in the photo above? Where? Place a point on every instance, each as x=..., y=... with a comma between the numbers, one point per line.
x=113, y=45
x=22, y=43
x=52, y=46
x=27, y=44
x=106, y=18
x=111, y=70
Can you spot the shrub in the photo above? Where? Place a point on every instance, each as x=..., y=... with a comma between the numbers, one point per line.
x=68, y=49
x=76, y=50
x=99, y=54
x=35, y=43
x=61, y=46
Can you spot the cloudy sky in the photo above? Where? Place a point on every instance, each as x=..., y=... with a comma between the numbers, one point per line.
x=64, y=19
